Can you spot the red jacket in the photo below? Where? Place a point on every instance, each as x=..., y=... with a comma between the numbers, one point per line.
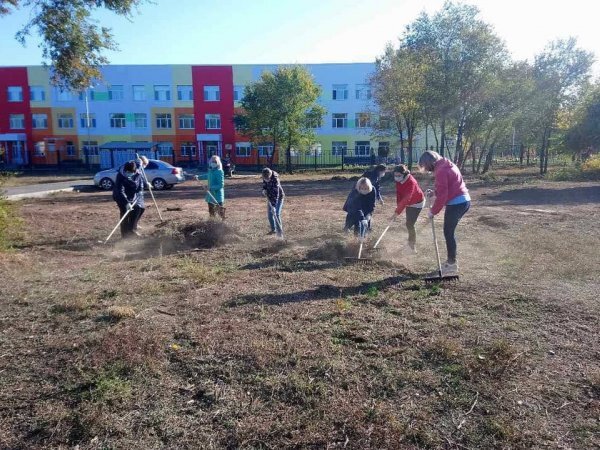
x=408, y=193
x=449, y=184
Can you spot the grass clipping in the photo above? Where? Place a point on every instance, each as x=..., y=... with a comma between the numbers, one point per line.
x=201, y=234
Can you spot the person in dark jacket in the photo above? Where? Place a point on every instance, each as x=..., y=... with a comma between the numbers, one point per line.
x=274, y=192
x=359, y=207
x=128, y=194
x=375, y=175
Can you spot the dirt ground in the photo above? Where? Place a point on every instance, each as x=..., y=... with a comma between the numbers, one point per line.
x=201, y=335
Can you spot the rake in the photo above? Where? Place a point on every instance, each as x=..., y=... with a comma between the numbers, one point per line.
x=383, y=234
x=216, y=203
x=440, y=277
x=119, y=223
x=358, y=259
x=149, y=186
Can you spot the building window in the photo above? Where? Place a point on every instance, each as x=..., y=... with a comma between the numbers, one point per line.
x=339, y=148
x=139, y=93
x=362, y=148
x=39, y=149
x=186, y=121
x=339, y=120
x=17, y=121
x=163, y=120
x=265, y=150
x=37, y=94
x=70, y=148
x=140, y=120
x=162, y=93
x=340, y=92
x=64, y=96
x=243, y=149
x=165, y=149
x=212, y=94
x=185, y=92
x=84, y=123
x=213, y=121
x=91, y=147
x=238, y=93
x=15, y=94
x=65, y=121
x=188, y=149
x=385, y=123
x=117, y=120
x=115, y=93
x=362, y=120
x=363, y=92
x=40, y=121
x=383, y=149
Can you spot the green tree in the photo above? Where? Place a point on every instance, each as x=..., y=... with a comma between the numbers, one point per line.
x=398, y=85
x=583, y=131
x=560, y=72
x=71, y=40
x=281, y=108
x=462, y=54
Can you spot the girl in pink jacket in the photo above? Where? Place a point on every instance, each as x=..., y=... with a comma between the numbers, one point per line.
x=452, y=193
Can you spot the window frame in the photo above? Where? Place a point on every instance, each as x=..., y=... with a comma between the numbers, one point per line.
x=9, y=94
x=61, y=117
x=207, y=121
x=186, y=117
x=135, y=92
x=362, y=120
x=337, y=88
x=121, y=120
x=206, y=93
x=261, y=150
x=339, y=148
x=13, y=117
x=140, y=116
x=343, y=119
x=362, y=144
x=189, y=90
x=185, y=148
x=116, y=89
x=39, y=89
x=83, y=120
x=162, y=88
x=34, y=120
x=167, y=117
x=247, y=146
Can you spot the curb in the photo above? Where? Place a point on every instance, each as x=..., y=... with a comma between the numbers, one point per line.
x=41, y=194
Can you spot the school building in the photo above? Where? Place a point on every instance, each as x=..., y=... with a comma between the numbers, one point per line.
x=183, y=112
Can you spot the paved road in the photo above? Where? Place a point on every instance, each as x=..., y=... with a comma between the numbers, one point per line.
x=41, y=190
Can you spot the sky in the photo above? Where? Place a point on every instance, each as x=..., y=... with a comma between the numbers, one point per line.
x=306, y=31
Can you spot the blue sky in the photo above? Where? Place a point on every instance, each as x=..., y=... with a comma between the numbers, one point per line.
x=307, y=31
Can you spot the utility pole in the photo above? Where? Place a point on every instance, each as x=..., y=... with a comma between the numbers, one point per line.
x=87, y=122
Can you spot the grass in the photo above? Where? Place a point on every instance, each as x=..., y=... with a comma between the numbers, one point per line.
x=252, y=343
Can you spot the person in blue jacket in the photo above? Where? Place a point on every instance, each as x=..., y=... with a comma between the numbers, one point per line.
x=359, y=207
x=375, y=175
x=128, y=194
x=215, y=197
x=274, y=192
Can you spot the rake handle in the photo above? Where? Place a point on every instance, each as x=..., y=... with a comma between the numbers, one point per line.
x=117, y=226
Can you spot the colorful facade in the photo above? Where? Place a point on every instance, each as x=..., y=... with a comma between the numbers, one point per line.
x=187, y=110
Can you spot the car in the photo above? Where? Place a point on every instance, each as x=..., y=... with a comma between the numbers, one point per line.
x=161, y=175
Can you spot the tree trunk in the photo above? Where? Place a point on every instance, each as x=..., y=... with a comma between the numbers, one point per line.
x=522, y=153
x=443, y=136
x=435, y=136
x=466, y=156
x=288, y=156
x=474, y=156
x=547, y=151
x=459, y=142
x=426, y=141
x=528, y=153
x=489, y=158
x=543, y=152
x=402, y=158
x=410, y=131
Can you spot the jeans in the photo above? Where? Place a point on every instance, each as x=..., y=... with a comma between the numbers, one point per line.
x=275, y=222
x=131, y=221
x=411, y=218
x=452, y=216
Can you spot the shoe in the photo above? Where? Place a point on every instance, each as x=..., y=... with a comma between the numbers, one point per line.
x=271, y=233
x=449, y=269
x=411, y=249
x=136, y=234
x=280, y=235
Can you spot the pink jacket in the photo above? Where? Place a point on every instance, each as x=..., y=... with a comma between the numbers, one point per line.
x=449, y=184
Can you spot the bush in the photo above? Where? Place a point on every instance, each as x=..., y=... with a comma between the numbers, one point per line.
x=591, y=164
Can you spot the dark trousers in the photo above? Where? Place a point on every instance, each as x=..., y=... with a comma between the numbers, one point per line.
x=354, y=221
x=452, y=216
x=216, y=208
x=131, y=221
x=411, y=218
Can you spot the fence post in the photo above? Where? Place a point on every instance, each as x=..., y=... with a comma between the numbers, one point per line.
x=343, y=154
x=315, y=159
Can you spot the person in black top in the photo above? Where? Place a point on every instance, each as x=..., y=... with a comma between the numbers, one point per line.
x=128, y=194
x=375, y=175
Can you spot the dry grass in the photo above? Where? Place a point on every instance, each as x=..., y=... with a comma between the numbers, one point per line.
x=224, y=338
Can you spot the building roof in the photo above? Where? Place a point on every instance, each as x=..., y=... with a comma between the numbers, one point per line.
x=115, y=145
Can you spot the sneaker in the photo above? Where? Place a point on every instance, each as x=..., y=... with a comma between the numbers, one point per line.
x=136, y=233
x=449, y=269
x=411, y=249
x=270, y=233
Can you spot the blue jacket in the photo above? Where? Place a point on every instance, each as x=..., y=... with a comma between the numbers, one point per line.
x=360, y=206
x=128, y=189
x=373, y=176
x=273, y=189
x=216, y=186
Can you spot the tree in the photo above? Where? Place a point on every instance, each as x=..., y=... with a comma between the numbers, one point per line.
x=462, y=54
x=281, y=108
x=398, y=88
x=583, y=131
x=559, y=73
x=71, y=40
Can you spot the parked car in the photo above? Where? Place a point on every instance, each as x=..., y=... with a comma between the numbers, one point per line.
x=161, y=175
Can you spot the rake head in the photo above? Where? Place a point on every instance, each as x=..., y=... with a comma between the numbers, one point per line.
x=360, y=261
x=441, y=279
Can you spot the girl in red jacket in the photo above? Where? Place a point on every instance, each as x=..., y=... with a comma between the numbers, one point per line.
x=409, y=196
x=451, y=193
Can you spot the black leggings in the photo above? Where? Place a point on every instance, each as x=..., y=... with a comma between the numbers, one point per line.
x=452, y=216
x=411, y=218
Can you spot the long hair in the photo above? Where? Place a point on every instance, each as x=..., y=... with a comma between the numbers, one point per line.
x=216, y=159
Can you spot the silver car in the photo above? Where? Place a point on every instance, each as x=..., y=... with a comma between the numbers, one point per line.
x=161, y=175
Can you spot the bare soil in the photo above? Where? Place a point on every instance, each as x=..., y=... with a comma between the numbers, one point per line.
x=211, y=335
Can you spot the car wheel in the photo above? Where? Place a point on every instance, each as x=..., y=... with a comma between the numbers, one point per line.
x=159, y=184
x=106, y=184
